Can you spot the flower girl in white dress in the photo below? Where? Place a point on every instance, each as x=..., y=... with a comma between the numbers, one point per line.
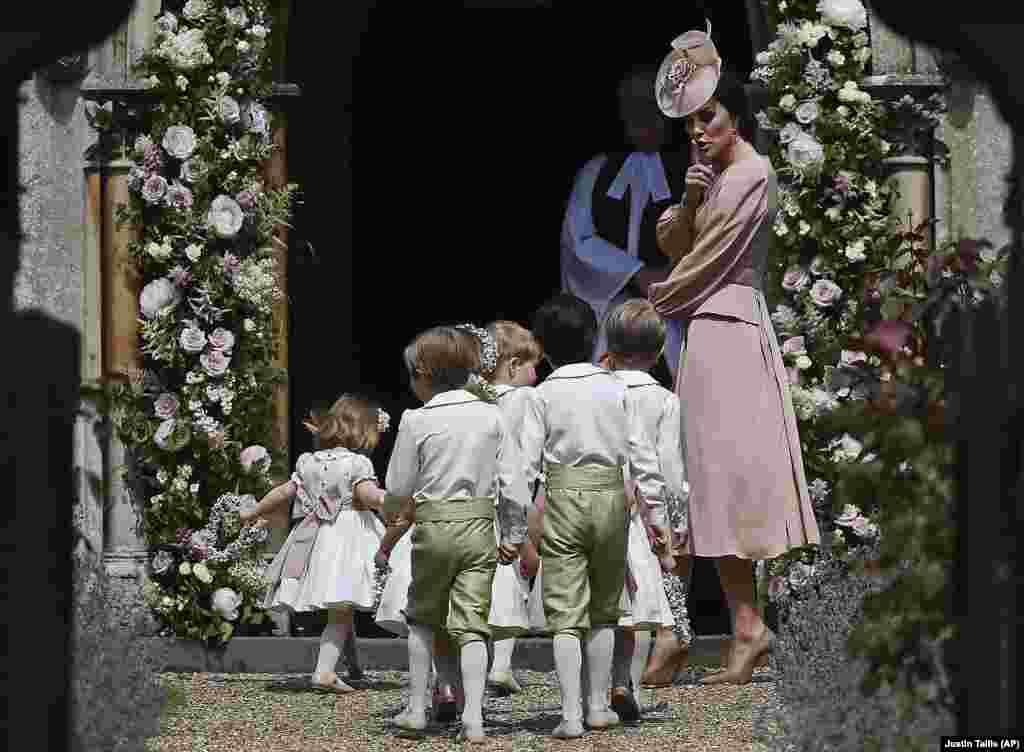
x=327, y=560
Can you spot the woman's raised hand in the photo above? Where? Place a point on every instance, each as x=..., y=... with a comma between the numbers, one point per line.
x=698, y=179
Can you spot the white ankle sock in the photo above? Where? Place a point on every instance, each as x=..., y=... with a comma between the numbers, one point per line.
x=474, y=675
x=639, y=662
x=600, y=647
x=622, y=660
x=331, y=642
x=503, y=650
x=568, y=659
x=421, y=646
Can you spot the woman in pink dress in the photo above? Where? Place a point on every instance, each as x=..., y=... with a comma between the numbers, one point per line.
x=749, y=498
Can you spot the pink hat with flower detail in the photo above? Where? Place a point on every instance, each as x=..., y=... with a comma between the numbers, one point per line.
x=689, y=75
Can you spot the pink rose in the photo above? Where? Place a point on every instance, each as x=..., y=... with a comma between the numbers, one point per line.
x=232, y=265
x=253, y=455
x=864, y=527
x=178, y=196
x=794, y=346
x=889, y=335
x=154, y=189
x=852, y=357
x=192, y=339
x=246, y=200
x=825, y=293
x=221, y=339
x=214, y=362
x=849, y=515
x=795, y=279
x=166, y=406
x=181, y=276
x=841, y=184
x=776, y=587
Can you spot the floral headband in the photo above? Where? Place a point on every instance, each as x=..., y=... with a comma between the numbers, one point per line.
x=383, y=420
x=488, y=347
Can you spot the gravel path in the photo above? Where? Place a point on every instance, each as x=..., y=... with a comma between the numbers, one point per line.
x=263, y=712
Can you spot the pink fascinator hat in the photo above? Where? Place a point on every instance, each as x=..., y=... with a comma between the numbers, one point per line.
x=689, y=75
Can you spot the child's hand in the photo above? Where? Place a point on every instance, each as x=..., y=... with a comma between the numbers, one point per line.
x=246, y=516
x=508, y=552
x=381, y=559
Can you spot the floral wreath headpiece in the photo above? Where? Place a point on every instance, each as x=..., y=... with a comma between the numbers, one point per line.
x=689, y=75
x=488, y=347
x=383, y=420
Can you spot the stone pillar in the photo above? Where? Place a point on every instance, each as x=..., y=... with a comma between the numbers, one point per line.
x=912, y=178
x=124, y=549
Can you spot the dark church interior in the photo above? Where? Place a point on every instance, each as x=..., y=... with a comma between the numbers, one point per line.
x=435, y=165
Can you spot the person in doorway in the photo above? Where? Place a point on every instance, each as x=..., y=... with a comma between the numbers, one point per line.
x=748, y=490
x=609, y=252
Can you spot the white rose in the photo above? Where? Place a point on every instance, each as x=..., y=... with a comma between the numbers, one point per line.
x=807, y=112
x=194, y=489
x=222, y=339
x=156, y=295
x=242, y=46
x=185, y=568
x=236, y=16
x=223, y=78
x=836, y=57
x=195, y=9
x=158, y=251
x=193, y=252
x=804, y=227
x=855, y=251
x=787, y=102
x=182, y=82
x=154, y=188
x=259, y=31
x=192, y=339
x=763, y=58
x=803, y=362
x=833, y=213
x=780, y=226
x=167, y=24
x=225, y=602
x=805, y=152
x=202, y=573
x=249, y=325
x=849, y=14
x=843, y=111
x=179, y=141
x=225, y=216
x=789, y=132
x=230, y=112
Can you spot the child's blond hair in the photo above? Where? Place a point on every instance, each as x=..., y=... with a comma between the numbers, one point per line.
x=514, y=341
x=353, y=422
x=634, y=330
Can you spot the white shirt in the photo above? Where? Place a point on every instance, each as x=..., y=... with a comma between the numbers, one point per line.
x=660, y=415
x=457, y=447
x=512, y=401
x=582, y=414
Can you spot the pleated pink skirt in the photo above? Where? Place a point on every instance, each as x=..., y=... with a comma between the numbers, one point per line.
x=748, y=491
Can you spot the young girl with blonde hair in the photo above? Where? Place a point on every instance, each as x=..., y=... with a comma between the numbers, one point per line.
x=326, y=563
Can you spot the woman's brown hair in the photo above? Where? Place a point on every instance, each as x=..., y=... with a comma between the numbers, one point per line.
x=352, y=423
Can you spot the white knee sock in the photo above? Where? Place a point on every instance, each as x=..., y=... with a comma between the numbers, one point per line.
x=331, y=642
x=568, y=659
x=421, y=646
x=639, y=662
x=474, y=674
x=600, y=647
x=503, y=650
x=622, y=660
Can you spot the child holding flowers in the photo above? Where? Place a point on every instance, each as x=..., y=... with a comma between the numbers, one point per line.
x=327, y=560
